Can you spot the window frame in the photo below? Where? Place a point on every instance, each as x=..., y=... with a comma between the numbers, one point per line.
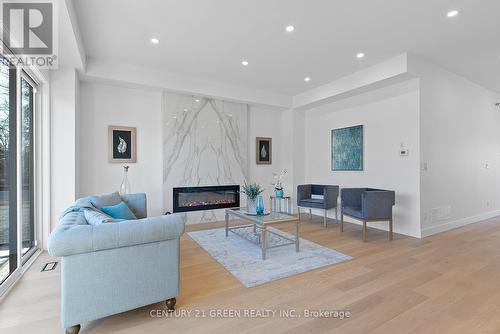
x=40, y=179
x=25, y=258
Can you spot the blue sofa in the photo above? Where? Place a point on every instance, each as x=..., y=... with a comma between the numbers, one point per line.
x=367, y=204
x=110, y=268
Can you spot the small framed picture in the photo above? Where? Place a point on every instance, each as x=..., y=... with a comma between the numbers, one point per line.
x=264, y=148
x=122, y=144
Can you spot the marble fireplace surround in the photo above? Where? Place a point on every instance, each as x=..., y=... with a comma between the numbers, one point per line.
x=204, y=144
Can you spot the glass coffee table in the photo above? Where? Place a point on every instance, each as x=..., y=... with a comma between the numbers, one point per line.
x=257, y=232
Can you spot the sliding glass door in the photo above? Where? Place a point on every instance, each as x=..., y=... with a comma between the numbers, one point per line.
x=27, y=169
x=8, y=181
x=17, y=171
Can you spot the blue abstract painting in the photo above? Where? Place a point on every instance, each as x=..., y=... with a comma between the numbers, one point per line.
x=347, y=148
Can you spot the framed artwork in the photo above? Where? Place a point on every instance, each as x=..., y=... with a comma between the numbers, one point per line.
x=264, y=148
x=348, y=149
x=122, y=144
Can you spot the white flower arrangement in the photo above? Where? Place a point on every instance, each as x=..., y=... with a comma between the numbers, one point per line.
x=278, y=179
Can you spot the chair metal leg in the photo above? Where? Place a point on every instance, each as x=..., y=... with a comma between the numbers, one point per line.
x=297, y=239
x=336, y=215
x=310, y=214
x=341, y=222
x=364, y=230
x=298, y=211
x=325, y=218
x=390, y=230
x=264, y=242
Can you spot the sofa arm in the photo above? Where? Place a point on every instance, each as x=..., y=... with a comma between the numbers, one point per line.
x=330, y=195
x=351, y=197
x=378, y=204
x=77, y=239
x=303, y=192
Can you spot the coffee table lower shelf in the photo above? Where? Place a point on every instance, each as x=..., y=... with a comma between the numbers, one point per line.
x=253, y=233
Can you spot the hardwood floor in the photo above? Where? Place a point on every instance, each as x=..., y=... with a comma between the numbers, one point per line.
x=447, y=283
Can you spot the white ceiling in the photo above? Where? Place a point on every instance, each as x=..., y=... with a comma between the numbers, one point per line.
x=209, y=39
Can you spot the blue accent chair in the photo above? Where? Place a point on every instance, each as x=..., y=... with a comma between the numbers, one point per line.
x=114, y=267
x=367, y=205
x=316, y=196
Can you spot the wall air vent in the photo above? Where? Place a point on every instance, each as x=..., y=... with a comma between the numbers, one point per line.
x=440, y=213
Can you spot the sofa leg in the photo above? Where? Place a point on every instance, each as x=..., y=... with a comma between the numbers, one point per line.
x=364, y=231
x=390, y=230
x=170, y=303
x=73, y=329
x=341, y=222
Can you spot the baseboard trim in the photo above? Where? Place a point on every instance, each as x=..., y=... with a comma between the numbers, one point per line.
x=428, y=231
x=377, y=225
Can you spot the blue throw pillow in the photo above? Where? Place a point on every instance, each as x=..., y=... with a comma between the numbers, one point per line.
x=119, y=211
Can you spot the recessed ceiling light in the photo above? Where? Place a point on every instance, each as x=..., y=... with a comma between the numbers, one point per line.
x=452, y=13
x=197, y=100
x=244, y=63
x=307, y=79
x=360, y=55
x=290, y=28
x=185, y=109
x=155, y=40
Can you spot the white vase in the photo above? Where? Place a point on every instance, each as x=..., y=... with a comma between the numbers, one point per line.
x=125, y=186
x=252, y=205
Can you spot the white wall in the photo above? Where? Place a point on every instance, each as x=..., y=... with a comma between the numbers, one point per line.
x=63, y=100
x=390, y=116
x=263, y=122
x=449, y=124
x=106, y=104
x=460, y=148
x=102, y=105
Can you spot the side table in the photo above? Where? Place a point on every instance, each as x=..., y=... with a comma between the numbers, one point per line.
x=281, y=204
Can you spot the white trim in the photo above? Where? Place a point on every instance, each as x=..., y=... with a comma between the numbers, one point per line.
x=7, y=285
x=19, y=178
x=10, y=282
x=36, y=165
x=44, y=172
x=459, y=223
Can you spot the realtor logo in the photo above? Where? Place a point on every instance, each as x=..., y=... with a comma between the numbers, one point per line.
x=29, y=32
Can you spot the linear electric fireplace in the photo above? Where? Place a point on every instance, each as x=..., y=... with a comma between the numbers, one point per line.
x=206, y=198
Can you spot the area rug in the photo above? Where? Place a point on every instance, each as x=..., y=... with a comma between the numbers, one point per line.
x=243, y=258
